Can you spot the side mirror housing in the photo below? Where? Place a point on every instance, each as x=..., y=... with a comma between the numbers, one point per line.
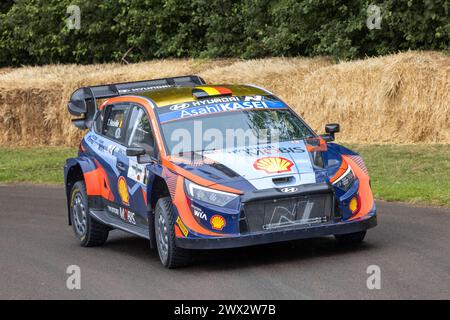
x=135, y=151
x=331, y=129
x=143, y=155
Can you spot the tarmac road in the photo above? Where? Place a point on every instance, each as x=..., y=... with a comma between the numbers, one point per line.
x=411, y=245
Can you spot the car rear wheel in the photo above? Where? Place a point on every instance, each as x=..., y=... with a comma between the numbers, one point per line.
x=89, y=231
x=170, y=255
x=350, y=238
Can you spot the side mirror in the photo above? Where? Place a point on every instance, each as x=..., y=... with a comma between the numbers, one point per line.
x=331, y=129
x=135, y=151
x=143, y=155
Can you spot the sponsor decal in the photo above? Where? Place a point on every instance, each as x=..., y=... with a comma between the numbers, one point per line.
x=353, y=205
x=137, y=172
x=223, y=107
x=255, y=151
x=117, y=133
x=203, y=102
x=182, y=227
x=179, y=106
x=142, y=89
x=273, y=164
x=288, y=213
x=289, y=189
x=114, y=123
x=199, y=213
x=123, y=213
x=217, y=222
x=254, y=98
x=91, y=140
x=241, y=160
x=110, y=149
x=123, y=190
x=215, y=100
x=127, y=215
x=220, y=107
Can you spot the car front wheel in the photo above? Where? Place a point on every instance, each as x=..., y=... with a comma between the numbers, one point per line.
x=89, y=231
x=170, y=255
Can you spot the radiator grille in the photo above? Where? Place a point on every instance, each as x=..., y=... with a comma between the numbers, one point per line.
x=280, y=214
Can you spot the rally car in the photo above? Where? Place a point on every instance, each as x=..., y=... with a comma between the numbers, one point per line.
x=194, y=166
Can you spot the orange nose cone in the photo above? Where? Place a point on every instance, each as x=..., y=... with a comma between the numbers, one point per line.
x=217, y=222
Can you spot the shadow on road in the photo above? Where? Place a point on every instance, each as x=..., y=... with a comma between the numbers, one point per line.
x=275, y=253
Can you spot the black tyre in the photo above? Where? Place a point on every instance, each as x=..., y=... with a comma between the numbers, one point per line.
x=350, y=238
x=170, y=255
x=89, y=231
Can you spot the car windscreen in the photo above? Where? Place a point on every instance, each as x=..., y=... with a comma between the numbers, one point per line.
x=234, y=129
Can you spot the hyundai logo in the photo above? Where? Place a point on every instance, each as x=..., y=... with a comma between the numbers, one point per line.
x=180, y=106
x=289, y=190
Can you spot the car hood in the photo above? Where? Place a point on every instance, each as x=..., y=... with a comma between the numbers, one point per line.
x=268, y=166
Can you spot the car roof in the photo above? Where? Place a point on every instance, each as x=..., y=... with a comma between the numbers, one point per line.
x=174, y=95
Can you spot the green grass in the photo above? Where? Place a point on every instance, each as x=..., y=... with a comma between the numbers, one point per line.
x=410, y=173
x=34, y=165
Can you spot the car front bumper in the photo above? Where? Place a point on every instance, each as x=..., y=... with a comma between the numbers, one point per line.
x=363, y=223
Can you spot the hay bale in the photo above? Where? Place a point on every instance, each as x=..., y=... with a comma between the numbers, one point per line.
x=33, y=100
x=401, y=98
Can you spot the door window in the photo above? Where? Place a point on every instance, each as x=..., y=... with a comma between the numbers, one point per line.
x=115, y=122
x=140, y=131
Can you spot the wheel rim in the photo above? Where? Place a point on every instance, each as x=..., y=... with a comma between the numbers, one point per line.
x=162, y=238
x=79, y=215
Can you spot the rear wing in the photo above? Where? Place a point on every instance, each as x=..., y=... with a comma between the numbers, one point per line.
x=83, y=102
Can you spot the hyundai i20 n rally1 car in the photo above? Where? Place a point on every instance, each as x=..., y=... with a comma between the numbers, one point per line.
x=194, y=166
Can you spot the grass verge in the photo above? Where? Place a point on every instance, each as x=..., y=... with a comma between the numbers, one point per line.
x=417, y=174
x=42, y=165
x=409, y=173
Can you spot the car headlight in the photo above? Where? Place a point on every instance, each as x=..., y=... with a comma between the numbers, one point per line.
x=211, y=196
x=345, y=181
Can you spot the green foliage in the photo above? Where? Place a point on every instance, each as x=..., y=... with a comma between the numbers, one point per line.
x=6, y=5
x=36, y=32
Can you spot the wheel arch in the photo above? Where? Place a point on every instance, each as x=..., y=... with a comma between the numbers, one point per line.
x=159, y=189
x=74, y=171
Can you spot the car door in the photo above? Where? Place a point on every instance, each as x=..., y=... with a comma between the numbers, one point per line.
x=139, y=173
x=114, y=132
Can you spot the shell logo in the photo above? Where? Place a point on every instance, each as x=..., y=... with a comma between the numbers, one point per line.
x=123, y=190
x=217, y=222
x=273, y=164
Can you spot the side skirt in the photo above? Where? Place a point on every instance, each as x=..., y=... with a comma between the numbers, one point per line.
x=103, y=217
